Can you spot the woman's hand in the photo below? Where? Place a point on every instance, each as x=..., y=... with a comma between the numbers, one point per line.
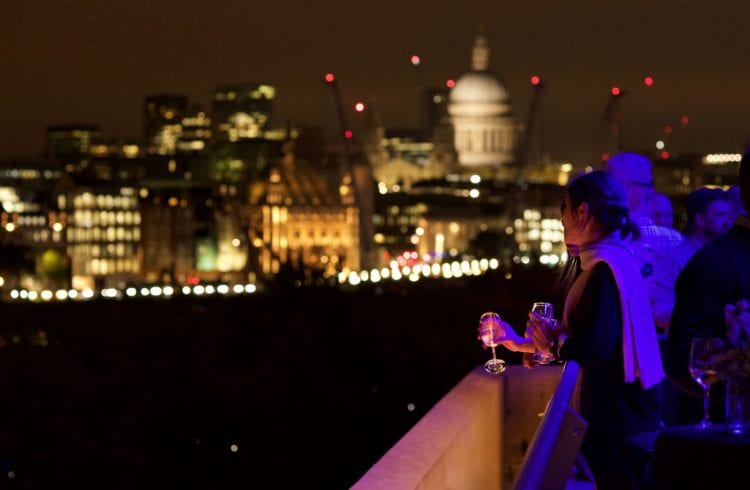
x=513, y=341
x=543, y=332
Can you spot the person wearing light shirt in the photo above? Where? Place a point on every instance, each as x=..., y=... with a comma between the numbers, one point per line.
x=656, y=242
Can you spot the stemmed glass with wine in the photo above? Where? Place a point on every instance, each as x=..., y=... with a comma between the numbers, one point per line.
x=702, y=366
x=547, y=313
x=491, y=333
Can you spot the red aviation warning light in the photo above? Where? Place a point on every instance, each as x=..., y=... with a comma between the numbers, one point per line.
x=648, y=81
x=329, y=77
x=348, y=134
x=685, y=120
x=605, y=157
x=535, y=80
x=664, y=154
x=359, y=107
x=450, y=83
x=615, y=91
x=668, y=129
x=415, y=60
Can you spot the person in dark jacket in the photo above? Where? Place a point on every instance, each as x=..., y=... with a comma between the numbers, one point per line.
x=714, y=280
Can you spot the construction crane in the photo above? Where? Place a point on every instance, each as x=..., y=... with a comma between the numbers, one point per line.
x=518, y=185
x=360, y=173
x=523, y=151
x=610, y=128
x=344, y=134
x=422, y=117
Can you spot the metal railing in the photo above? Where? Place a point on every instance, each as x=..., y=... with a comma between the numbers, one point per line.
x=553, y=453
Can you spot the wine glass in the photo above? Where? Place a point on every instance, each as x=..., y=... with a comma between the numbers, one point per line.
x=491, y=333
x=547, y=312
x=703, y=370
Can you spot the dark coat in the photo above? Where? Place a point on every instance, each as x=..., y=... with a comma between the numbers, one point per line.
x=613, y=408
x=717, y=275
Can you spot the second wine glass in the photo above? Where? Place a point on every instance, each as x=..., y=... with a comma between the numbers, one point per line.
x=702, y=368
x=547, y=312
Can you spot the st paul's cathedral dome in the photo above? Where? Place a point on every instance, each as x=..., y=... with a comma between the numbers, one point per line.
x=486, y=133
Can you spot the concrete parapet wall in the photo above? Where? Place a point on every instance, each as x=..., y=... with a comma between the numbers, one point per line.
x=473, y=438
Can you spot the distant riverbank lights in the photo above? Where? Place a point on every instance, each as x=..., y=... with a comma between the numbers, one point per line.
x=397, y=272
x=132, y=292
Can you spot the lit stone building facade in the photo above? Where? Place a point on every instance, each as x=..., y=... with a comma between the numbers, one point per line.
x=302, y=218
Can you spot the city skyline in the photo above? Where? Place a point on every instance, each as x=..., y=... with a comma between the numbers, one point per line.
x=81, y=62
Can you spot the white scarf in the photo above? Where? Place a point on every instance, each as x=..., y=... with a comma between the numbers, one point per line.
x=640, y=347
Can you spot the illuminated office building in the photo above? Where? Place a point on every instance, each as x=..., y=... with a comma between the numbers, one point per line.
x=103, y=236
x=29, y=222
x=71, y=140
x=406, y=159
x=539, y=235
x=466, y=215
x=69, y=146
x=129, y=150
x=162, y=122
x=241, y=110
x=396, y=219
x=677, y=176
x=195, y=136
x=439, y=218
x=232, y=246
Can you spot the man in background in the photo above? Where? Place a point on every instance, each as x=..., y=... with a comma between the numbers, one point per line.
x=708, y=214
x=662, y=213
x=656, y=242
x=714, y=282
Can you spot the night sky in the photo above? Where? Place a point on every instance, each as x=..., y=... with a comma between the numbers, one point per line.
x=88, y=61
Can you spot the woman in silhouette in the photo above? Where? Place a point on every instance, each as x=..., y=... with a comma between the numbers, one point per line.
x=608, y=328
